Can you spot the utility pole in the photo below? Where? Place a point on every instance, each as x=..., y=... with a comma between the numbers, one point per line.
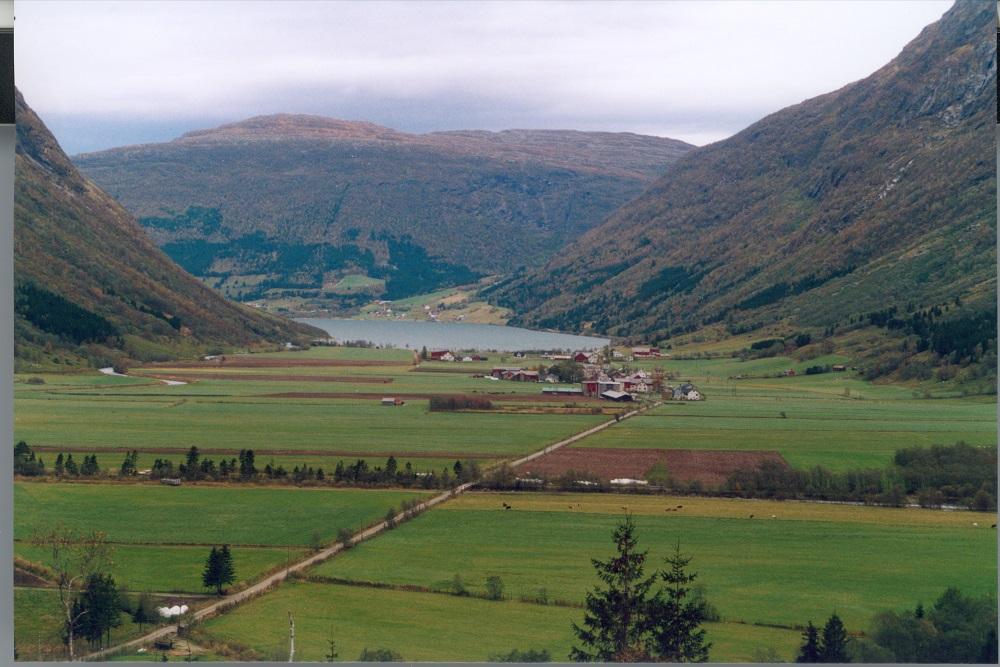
x=291, y=638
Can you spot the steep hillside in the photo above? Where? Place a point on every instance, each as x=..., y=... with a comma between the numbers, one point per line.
x=872, y=204
x=90, y=285
x=293, y=202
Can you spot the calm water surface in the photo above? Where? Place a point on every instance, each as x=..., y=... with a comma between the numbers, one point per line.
x=452, y=335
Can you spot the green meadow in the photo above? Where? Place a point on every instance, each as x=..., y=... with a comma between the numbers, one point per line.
x=156, y=514
x=226, y=422
x=169, y=568
x=432, y=627
x=835, y=433
x=782, y=570
x=836, y=420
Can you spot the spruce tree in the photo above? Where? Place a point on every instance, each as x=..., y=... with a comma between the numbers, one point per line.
x=100, y=601
x=60, y=469
x=809, y=651
x=616, y=622
x=227, y=571
x=210, y=576
x=677, y=615
x=144, y=612
x=834, y=648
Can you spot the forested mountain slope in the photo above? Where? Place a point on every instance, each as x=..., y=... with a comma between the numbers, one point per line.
x=90, y=284
x=297, y=202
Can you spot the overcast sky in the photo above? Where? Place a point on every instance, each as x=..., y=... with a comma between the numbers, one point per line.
x=105, y=74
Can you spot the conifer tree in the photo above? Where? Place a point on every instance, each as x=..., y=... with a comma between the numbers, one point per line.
x=834, y=648
x=677, y=615
x=809, y=651
x=144, y=612
x=227, y=571
x=616, y=622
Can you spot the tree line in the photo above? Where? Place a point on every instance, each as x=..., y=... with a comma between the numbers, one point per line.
x=244, y=468
x=958, y=474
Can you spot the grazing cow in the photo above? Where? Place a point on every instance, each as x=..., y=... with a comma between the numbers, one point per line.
x=751, y=516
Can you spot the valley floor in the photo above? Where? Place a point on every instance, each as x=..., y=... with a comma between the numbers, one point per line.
x=768, y=567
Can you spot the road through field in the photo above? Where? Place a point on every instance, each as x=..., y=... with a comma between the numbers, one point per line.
x=230, y=601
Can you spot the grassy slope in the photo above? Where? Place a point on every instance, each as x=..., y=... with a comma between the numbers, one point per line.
x=876, y=182
x=786, y=570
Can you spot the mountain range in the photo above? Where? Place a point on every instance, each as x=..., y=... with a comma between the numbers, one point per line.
x=878, y=197
x=89, y=285
x=296, y=202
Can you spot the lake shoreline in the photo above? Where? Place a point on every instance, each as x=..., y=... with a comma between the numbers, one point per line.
x=415, y=334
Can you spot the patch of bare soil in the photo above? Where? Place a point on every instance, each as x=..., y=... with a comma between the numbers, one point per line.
x=709, y=467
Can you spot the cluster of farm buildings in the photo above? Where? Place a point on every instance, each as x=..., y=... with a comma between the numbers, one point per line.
x=599, y=380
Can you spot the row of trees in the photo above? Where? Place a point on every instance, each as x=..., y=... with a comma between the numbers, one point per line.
x=196, y=468
x=957, y=474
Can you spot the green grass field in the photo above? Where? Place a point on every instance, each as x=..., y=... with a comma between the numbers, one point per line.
x=154, y=514
x=432, y=627
x=801, y=565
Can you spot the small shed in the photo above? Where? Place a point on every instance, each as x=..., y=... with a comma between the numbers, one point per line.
x=391, y=400
x=562, y=391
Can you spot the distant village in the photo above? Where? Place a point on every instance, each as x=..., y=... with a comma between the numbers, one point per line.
x=586, y=374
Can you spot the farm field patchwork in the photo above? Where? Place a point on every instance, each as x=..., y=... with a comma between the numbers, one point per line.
x=432, y=627
x=837, y=433
x=803, y=564
x=261, y=424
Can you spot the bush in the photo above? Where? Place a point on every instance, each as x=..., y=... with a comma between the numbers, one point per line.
x=454, y=403
x=457, y=586
x=345, y=537
x=494, y=588
x=531, y=655
x=983, y=501
x=379, y=655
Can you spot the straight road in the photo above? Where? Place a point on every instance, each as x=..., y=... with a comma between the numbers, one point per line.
x=228, y=602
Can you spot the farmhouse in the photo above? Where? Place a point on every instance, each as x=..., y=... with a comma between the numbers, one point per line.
x=686, y=392
x=585, y=358
x=525, y=376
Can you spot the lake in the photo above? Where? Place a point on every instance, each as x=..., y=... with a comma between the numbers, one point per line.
x=451, y=335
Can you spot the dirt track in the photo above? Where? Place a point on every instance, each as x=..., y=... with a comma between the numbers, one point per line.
x=267, y=583
x=711, y=468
